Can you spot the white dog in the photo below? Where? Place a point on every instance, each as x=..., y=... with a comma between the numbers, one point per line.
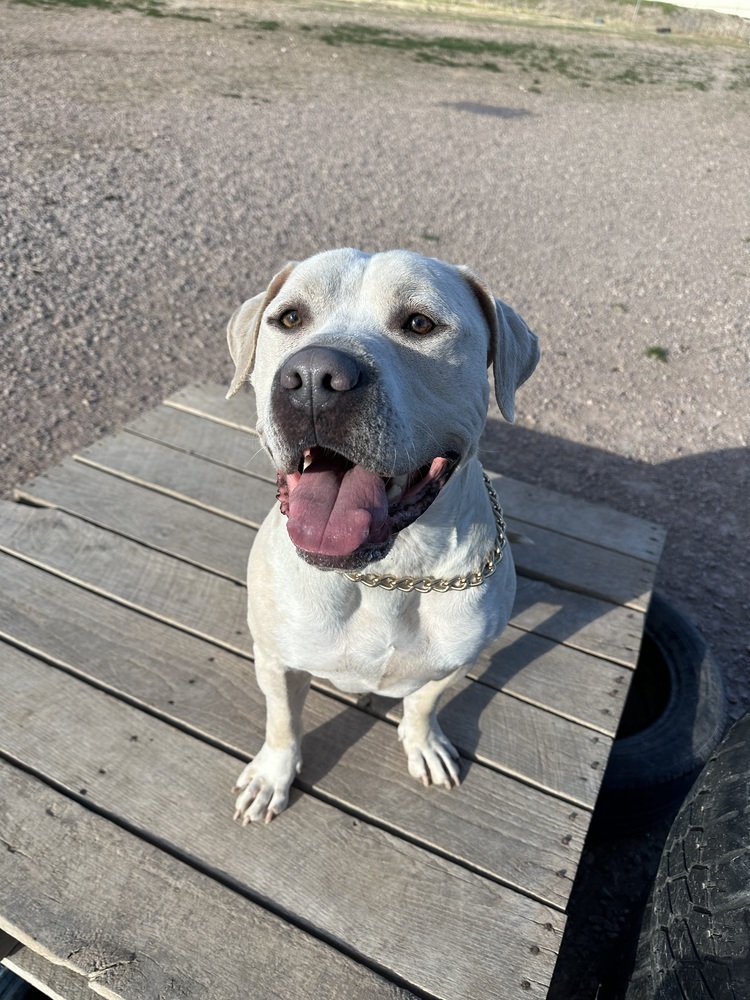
x=384, y=567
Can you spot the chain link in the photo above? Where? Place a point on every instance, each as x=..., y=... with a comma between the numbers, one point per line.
x=440, y=585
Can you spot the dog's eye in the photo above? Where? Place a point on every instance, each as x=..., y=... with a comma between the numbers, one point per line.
x=419, y=324
x=290, y=319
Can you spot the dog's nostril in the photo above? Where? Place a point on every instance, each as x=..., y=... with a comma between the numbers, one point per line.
x=291, y=379
x=341, y=381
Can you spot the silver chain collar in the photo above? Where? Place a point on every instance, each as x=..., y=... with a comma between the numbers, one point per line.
x=428, y=584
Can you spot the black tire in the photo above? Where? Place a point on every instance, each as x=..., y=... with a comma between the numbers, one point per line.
x=674, y=718
x=695, y=937
x=12, y=987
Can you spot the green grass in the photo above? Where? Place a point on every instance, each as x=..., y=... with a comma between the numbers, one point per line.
x=579, y=64
x=585, y=66
x=151, y=8
x=658, y=353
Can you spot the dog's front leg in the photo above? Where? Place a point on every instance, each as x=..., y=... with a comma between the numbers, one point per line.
x=264, y=784
x=431, y=756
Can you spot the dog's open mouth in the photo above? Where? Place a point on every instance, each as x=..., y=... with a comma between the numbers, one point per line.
x=343, y=516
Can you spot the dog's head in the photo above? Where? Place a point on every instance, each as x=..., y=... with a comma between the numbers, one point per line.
x=370, y=373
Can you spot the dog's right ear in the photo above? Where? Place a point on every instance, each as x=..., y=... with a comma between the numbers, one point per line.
x=513, y=348
x=243, y=327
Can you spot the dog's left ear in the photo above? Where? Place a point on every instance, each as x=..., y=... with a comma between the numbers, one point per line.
x=243, y=327
x=513, y=349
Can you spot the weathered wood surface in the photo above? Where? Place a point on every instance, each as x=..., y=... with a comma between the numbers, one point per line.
x=46, y=713
x=55, y=981
x=189, y=458
x=88, y=553
x=135, y=921
x=549, y=751
x=128, y=689
x=496, y=825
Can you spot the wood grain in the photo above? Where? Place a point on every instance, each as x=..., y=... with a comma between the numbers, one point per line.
x=136, y=922
x=157, y=520
x=544, y=554
x=495, y=824
x=315, y=862
x=55, y=981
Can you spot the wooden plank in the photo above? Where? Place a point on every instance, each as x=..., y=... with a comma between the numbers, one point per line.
x=232, y=494
x=316, y=864
x=515, y=738
x=53, y=980
x=579, y=621
x=566, y=682
x=532, y=504
x=134, y=921
x=494, y=824
x=581, y=519
x=589, y=569
x=574, y=684
x=548, y=555
x=177, y=528
x=195, y=435
x=545, y=555
x=209, y=400
x=202, y=603
x=209, y=606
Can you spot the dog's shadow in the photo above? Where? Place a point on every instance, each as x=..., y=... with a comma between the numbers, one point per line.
x=711, y=480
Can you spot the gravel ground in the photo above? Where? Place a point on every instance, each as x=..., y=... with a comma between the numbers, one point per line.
x=156, y=170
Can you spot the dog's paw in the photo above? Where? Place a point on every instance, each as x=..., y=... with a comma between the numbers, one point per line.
x=264, y=785
x=431, y=757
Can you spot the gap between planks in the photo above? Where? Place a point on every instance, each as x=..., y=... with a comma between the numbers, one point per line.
x=110, y=763
x=543, y=724
x=244, y=497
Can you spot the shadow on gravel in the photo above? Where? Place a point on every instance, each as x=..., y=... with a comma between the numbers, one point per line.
x=486, y=109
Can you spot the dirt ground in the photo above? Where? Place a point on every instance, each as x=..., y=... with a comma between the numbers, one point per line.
x=159, y=163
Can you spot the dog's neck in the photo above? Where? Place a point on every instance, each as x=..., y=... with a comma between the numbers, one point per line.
x=449, y=540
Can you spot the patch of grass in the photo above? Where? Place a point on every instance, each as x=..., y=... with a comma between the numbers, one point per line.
x=619, y=307
x=741, y=77
x=431, y=237
x=151, y=8
x=658, y=353
x=628, y=76
x=445, y=45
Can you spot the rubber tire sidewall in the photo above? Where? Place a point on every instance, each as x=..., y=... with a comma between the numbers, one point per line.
x=650, y=772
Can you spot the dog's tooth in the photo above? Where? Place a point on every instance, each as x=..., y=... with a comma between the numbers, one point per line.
x=395, y=491
x=307, y=461
x=401, y=480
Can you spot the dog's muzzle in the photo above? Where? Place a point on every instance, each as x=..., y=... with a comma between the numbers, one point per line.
x=343, y=511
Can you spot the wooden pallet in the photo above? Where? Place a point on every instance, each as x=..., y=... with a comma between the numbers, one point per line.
x=129, y=705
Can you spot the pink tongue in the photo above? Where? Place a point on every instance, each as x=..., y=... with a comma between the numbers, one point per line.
x=334, y=509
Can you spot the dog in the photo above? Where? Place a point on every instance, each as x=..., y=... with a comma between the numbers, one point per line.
x=384, y=568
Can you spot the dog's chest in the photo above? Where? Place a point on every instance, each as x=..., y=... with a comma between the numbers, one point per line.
x=390, y=643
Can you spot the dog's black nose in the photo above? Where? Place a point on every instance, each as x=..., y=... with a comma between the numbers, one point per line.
x=317, y=376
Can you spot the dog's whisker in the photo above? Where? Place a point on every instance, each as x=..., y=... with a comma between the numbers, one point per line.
x=252, y=458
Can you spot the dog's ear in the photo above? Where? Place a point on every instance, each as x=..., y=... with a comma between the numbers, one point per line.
x=243, y=327
x=513, y=348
